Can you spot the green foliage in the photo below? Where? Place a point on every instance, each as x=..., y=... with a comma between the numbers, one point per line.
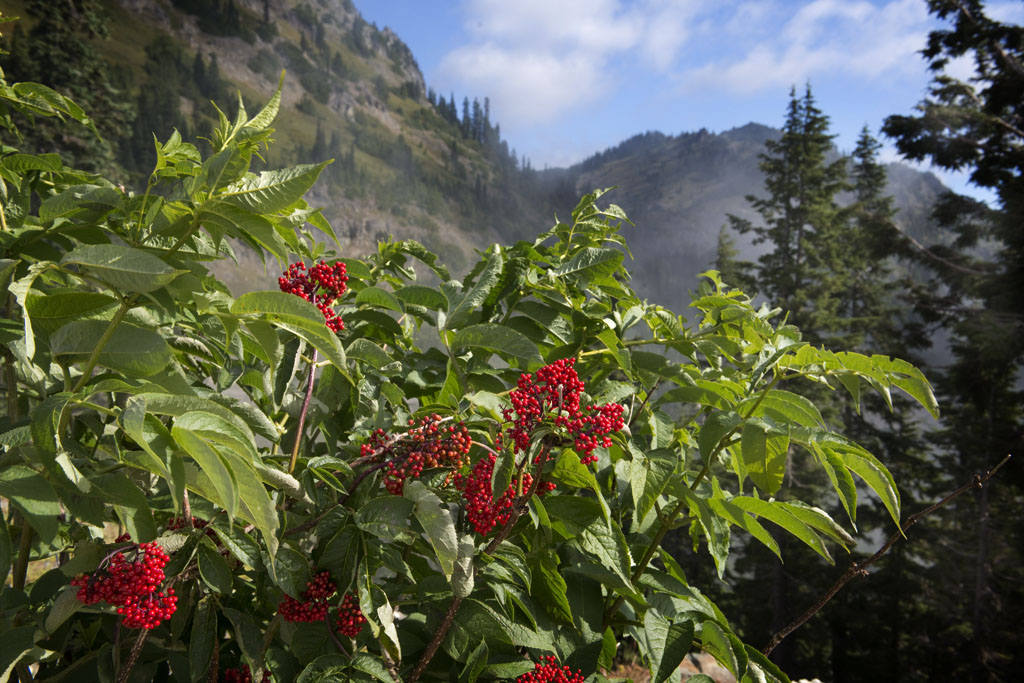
x=141, y=394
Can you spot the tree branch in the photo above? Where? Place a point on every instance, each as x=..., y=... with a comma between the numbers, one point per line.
x=860, y=568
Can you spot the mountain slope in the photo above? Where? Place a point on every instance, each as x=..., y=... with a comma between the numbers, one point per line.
x=406, y=163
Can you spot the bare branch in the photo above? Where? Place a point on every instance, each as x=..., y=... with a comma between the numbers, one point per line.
x=860, y=568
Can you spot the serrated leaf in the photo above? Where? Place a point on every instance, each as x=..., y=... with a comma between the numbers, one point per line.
x=130, y=349
x=298, y=317
x=272, y=191
x=418, y=295
x=381, y=298
x=460, y=309
x=667, y=644
x=365, y=350
x=213, y=464
x=437, y=522
x=213, y=569
x=33, y=496
x=496, y=338
x=589, y=263
x=202, y=639
x=777, y=513
x=126, y=268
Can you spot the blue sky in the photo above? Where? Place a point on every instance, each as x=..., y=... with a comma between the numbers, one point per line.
x=567, y=78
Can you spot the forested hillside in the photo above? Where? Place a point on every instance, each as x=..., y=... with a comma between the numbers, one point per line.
x=408, y=161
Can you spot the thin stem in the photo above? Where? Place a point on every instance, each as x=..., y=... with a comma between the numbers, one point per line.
x=100, y=345
x=24, y=552
x=860, y=568
x=125, y=672
x=302, y=415
x=453, y=608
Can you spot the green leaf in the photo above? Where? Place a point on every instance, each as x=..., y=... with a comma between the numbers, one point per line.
x=292, y=569
x=501, y=475
x=238, y=222
x=777, y=513
x=125, y=268
x=216, y=429
x=462, y=576
x=122, y=491
x=213, y=568
x=266, y=116
x=590, y=263
x=461, y=308
x=874, y=474
x=437, y=522
x=341, y=554
x=474, y=664
x=130, y=349
x=299, y=317
x=369, y=664
x=16, y=643
x=569, y=470
x=418, y=295
x=332, y=668
x=387, y=518
x=667, y=644
x=549, y=588
x=764, y=451
x=366, y=350
x=714, y=429
x=272, y=191
x=34, y=496
x=786, y=405
x=202, y=639
x=6, y=552
x=246, y=633
x=381, y=298
x=725, y=647
x=64, y=606
x=51, y=312
x=496, y=338
x=213, y=464
x=256, y=503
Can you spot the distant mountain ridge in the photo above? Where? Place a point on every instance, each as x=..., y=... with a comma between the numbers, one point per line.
x=407, y=166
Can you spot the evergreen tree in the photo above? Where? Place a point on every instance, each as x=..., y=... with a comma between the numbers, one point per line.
x=466, y=123
x=801, y=218
x=734, y=272
x=978, y=125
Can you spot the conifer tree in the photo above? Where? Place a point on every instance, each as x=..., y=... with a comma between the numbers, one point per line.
x=800, y=217
x=977, y=125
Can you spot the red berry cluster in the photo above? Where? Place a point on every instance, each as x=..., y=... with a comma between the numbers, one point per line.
x=243, y=675
x=482, y=511
x=321, y=286
x=132, y=586
x=429, y=443
x=556, y=391
x=546, y=671
x=314, y=600
x=350, y=618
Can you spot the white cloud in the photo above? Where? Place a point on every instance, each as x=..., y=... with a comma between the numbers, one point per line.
x=540, y=59
x=822, y=39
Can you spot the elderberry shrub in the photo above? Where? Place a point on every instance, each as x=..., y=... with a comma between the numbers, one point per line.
x=131, y=585
x=547, y=671
x=555, y=396
x=243, y=675
x=349, y=620
x=321, y=286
